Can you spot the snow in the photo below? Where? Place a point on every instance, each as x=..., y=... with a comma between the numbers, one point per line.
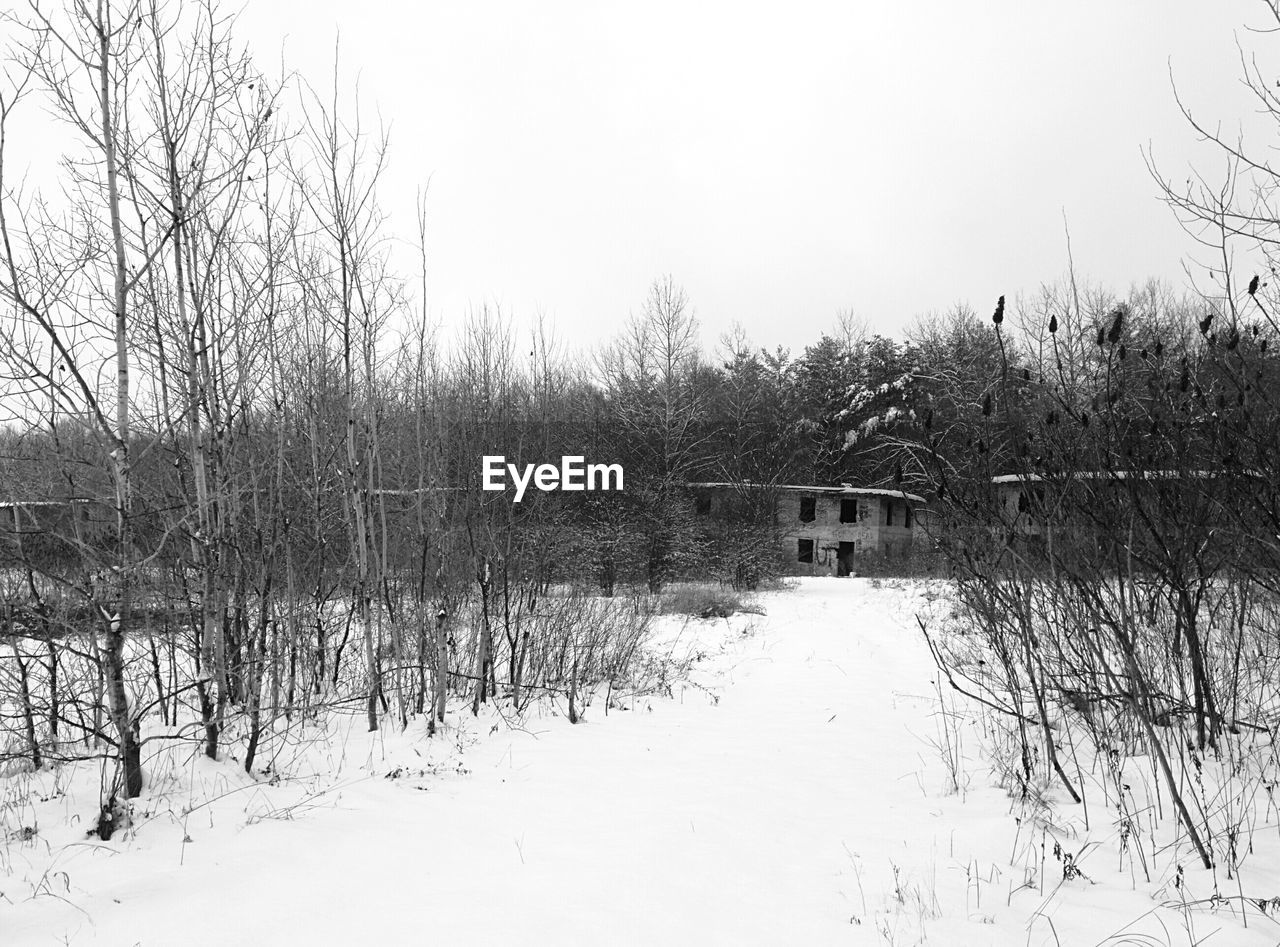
x=792, y=791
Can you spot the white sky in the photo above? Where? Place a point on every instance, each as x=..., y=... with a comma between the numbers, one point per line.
x=781, y=161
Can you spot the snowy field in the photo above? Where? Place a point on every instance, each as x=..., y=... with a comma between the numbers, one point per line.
x=805, y=786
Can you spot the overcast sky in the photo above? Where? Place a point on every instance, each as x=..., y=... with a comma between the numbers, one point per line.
x=783, y=161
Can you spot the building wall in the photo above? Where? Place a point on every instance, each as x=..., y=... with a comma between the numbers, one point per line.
x=895, y=537
x=1009, y=496
x=48, y=533
x=826, y=531
x=879, y=528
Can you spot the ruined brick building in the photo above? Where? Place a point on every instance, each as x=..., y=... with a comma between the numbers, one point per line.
x=827, y=530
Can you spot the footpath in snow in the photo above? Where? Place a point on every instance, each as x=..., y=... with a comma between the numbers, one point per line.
x=793, y=798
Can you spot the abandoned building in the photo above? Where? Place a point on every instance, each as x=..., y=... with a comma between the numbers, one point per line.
x=42, y=532
x=1026, y=500
x=1103, y=513
x=826, y=530
x=1016, y=497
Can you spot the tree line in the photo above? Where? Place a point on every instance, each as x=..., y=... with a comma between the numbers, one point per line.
x=242, y=467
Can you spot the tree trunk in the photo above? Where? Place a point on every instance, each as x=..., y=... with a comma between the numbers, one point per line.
x=126, y=729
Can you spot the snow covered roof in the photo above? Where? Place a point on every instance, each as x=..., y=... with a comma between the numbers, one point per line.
x=38, y=504
x=1120, y=475
x=842, y=490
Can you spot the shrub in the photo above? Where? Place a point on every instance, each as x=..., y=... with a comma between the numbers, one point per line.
x=705, y=601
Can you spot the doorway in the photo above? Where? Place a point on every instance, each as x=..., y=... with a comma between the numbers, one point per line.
x=844, y=559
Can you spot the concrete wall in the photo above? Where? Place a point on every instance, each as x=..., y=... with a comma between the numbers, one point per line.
x=880, y=529
x=895, y=537
x=826, y=531
x=1009, y=496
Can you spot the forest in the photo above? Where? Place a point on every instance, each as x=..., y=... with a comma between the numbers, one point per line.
x=240, y=466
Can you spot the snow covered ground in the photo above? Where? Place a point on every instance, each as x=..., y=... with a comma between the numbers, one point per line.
x=792, y=792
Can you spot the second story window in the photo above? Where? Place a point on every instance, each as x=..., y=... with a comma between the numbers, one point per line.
x=888, y=512
x=1030, y=499
x=808, y=509
x=848, y=511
